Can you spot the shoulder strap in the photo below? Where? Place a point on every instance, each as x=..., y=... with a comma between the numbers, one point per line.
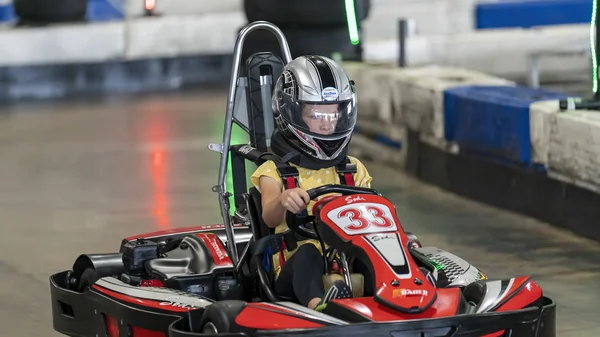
x=346, y=171
x=289, y=174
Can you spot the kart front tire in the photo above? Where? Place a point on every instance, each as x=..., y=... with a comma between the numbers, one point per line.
x=210, y=329
x=219, y=317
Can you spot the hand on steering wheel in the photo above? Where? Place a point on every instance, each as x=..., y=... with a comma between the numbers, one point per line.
x=296, y=224
x=294, y=200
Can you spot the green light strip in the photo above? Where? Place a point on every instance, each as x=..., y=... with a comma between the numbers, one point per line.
x=238, y=136
x=593, y=47
x=352, y=22
x=437, y=265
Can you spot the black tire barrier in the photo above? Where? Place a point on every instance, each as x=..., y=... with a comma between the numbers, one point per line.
x=305, y=41
x=50, y=11
x=304, y=13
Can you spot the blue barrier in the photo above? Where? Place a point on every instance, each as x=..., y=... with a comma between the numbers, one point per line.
x=529, y=13
x=378, y=137
x=7, y=12
x=493, y=120
x=105, y=10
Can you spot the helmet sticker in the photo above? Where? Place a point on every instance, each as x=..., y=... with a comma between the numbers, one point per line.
x=330, y=94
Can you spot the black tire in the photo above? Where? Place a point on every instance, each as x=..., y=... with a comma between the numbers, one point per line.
x=87, y=279
x=50, y=11
x=305, y=41
x=413, y=238
x=220, y=317
x=475, y=292
x=307, y=12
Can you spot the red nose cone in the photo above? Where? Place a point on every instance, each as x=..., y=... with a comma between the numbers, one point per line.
x=407, y=297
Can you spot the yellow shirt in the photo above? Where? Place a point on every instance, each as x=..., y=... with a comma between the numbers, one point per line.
x=308, y=179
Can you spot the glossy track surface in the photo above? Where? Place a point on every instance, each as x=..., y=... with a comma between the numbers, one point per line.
x=79, y=176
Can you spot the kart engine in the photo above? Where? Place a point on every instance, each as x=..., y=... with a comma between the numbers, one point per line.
x=135, y=254
x=198, y=264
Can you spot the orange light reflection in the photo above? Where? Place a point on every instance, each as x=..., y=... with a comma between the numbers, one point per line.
x=150, y=4
x=160, y=198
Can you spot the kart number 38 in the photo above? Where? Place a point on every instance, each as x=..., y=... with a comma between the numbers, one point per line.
x=363, y=218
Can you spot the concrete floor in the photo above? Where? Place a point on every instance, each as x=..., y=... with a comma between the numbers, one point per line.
x=79, y=176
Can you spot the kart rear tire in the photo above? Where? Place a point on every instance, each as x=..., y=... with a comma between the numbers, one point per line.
x=305, y=41
x=87, y=279
x=50, y=11
x=306, y=13
x=219, y=317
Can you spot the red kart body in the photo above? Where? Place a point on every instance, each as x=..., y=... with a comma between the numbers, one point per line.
x=404, y=297
x=370, y=224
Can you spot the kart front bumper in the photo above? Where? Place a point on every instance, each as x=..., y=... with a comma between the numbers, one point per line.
x=84, y=319
x=529, y=322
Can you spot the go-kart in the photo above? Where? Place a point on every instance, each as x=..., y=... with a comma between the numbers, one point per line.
x=216, y=280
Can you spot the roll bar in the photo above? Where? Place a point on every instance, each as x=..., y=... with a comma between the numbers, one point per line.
x=223, y=148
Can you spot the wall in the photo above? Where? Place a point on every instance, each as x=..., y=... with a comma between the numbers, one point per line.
x=462, y=124
x=431, y=17
x=485, y=138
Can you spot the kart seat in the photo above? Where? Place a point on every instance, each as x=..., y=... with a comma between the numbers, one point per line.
x=254, y=206
x=260, y=230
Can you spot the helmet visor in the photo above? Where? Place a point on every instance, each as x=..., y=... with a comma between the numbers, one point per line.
x=321, y=119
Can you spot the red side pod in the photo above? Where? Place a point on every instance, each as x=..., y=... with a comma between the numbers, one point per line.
x=217, y=250
x=112, y=328
x=263, y=316
x=522, y=293
x=163, y=305
x=156, y=298
x=190, y=230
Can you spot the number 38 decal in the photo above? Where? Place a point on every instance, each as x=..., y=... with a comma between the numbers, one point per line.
x=363, y=218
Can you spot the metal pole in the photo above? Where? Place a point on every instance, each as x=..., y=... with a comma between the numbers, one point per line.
x=358, y=13
x=127, y=13
x=237, y=55
x=266, y=82
x=402, y=34
x=597, y=45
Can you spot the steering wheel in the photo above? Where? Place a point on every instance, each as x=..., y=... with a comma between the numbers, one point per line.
x=296, y=223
